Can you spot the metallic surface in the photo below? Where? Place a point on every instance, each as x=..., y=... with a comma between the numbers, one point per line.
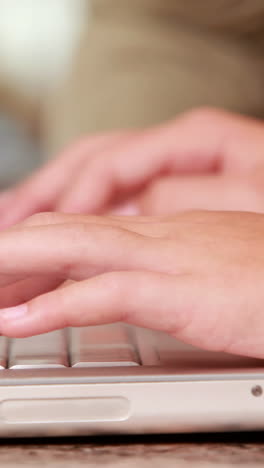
x=110, y=345
x=49, y=350
x=180, y=389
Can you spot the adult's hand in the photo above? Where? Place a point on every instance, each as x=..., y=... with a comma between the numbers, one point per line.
x=205, y=159
x=197, y=276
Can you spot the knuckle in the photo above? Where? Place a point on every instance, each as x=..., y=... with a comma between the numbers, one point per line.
x=116, y=285
x=89, y=243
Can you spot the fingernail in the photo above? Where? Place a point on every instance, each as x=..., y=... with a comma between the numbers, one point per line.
x=14, y=313
x=128, y=209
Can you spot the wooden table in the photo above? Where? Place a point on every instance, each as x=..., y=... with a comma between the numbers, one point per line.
x=204, y=451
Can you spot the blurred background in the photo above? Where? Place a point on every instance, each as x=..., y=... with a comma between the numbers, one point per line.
x=72, y=67
x=38, y=40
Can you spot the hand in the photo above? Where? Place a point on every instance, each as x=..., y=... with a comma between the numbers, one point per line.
x=198, y=275
x=204, y=159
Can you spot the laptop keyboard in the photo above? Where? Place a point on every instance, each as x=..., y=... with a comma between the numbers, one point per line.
x=98, y=346
x=39, y=351
x=105, y=346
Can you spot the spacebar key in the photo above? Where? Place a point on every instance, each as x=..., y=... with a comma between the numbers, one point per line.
x=43, y=351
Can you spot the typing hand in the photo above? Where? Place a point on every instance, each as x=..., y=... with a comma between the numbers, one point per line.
x=197, y=276
x=205, y=159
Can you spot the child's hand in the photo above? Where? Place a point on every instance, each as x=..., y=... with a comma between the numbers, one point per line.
x=198, y=276
x=203, y=160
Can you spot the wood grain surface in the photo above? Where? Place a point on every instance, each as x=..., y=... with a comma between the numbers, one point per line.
x=205, y=451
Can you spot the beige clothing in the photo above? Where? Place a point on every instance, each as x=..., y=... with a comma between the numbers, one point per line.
x=144, y=61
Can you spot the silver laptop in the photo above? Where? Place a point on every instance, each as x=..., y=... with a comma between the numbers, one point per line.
x=117, y=379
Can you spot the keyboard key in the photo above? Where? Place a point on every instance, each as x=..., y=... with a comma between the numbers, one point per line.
x=102, y=346
x=43, y=351
x=3, y=352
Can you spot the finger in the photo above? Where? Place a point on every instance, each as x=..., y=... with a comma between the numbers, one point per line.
x=40, y=191
x=12, y=271
x=26, y=289
x=74, y=251
x=53, y=218
x=122, y=296
x=145, y=225
x=183, y=306
x=205, y=141
x=216, y=192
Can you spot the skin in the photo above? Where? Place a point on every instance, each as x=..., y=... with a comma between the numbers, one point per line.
x=205, y=159
x=174, y=274
x=195, y=275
